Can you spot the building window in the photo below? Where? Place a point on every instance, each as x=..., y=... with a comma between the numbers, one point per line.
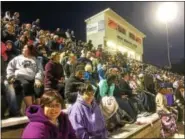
x=132, y=36
x=122, y=30
x=112, y=24
x=138, y=40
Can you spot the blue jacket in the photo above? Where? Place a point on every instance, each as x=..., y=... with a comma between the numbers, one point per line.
x=101, y=74
x=87, y=121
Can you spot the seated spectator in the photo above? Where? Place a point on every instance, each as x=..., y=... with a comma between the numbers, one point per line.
x=124, y=85
x=85, y=58
x=102, y=71
x=8, y=33
x=3, y=52
x=107, y=86
x=3, y=90
x=54, y=45
x=125, y=97
x=42, y=50
x=71, y=84
x=85, y=114
x=179, y=96
x=24, y=73
x=88, y=75
x=47, y=120
x=54, y=75
x=70, y=66
x=19, y=44
x=161, y=101
x=10, y=51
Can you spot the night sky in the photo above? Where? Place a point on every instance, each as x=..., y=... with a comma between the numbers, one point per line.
x=140, y=14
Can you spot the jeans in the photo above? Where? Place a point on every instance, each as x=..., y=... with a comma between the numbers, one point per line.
x=14, y=100
x=17, y=91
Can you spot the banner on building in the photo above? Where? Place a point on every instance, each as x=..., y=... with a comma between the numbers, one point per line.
x=95, y=27
x=92, y=28
x=101, y=25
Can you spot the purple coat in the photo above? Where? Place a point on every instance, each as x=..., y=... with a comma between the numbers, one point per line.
x=87, y=121
x=40, y=126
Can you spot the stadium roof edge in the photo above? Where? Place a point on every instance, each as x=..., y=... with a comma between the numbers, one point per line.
x=113, y=12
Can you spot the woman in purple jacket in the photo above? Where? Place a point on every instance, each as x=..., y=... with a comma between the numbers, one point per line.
x=47, y=120
x=85, y=115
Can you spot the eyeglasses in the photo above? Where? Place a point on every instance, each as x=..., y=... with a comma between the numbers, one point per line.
x=53, y=105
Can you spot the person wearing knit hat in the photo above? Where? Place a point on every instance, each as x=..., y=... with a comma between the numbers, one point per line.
x=161, y=100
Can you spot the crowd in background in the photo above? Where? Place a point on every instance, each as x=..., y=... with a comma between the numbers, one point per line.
x=34, y=62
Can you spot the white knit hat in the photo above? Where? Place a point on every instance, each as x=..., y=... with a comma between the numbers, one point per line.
x=108, y=106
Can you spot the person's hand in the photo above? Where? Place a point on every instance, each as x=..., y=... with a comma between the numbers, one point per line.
x=45, y=54
x=38, y=83
x=124, y=96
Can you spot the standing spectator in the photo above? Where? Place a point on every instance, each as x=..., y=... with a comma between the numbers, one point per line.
x=85, y=114
x=7, y=16
x=68, y=35
x=47, y=120
x=89, y=45
x=16, y=16
x=73, y=35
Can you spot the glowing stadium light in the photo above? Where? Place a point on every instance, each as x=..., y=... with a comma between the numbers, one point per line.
x=122, y=49
x=111, y=44
x=167, y=12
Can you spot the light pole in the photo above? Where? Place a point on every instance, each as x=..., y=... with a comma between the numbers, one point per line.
x=166, y=13
x=168, y=46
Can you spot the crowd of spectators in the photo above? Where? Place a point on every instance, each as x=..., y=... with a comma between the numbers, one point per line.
x=35, y=61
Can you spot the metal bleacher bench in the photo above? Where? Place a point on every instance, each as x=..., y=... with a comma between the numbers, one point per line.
x=16, y=121
x=128, y=131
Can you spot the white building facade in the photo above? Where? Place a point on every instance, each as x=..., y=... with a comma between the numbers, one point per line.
x=113, y=33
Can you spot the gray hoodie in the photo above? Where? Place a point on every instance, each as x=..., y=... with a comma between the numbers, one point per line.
x=25, y=68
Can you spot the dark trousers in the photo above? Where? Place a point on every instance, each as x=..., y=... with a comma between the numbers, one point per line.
x=125, y=105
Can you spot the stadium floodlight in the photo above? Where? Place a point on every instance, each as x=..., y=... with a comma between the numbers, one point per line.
x=111, y=44
x=166, y=13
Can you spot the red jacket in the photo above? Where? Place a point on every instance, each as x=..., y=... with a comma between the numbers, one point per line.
x=3, y=51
